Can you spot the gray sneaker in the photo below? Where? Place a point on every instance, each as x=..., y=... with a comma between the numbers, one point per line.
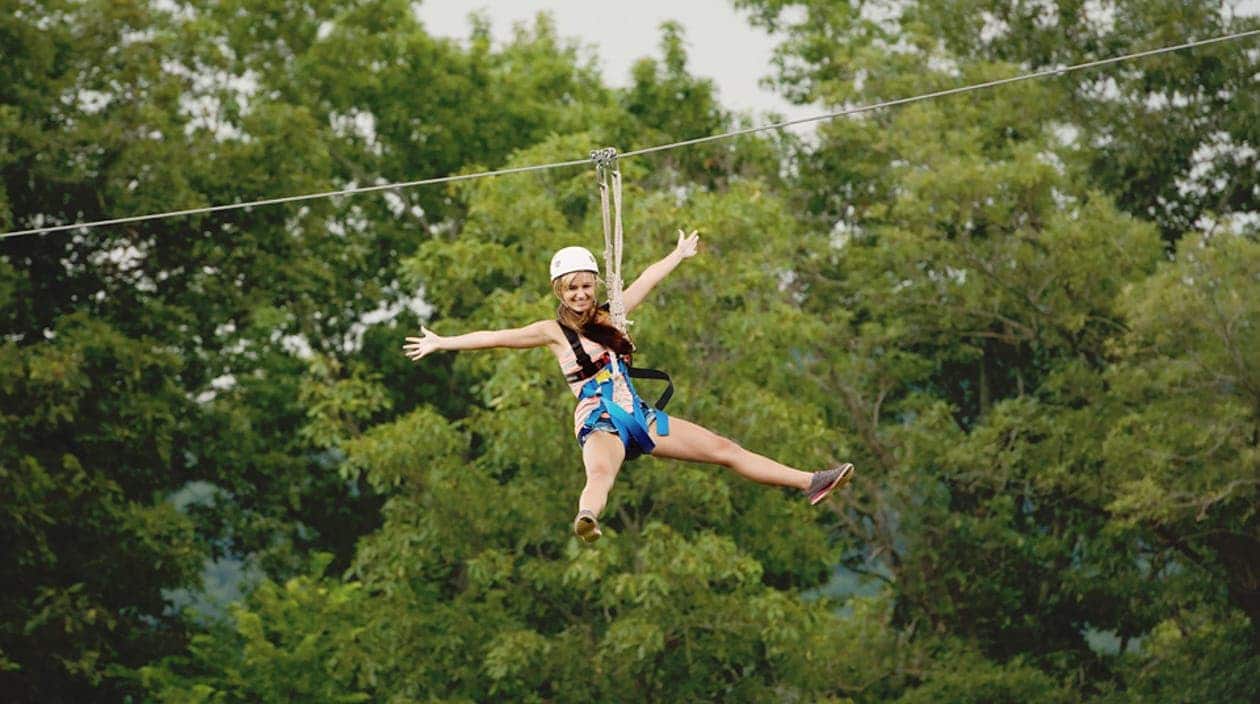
x=586, y=526
x=823, y=482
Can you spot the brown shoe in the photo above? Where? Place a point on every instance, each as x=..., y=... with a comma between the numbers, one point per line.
x=823, y=482
x=586, y=526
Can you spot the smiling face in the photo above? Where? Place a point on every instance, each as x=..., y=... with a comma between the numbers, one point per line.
x=577, y=291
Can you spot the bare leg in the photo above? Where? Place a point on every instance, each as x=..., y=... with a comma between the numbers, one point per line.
x=602, y=454
x=694, y=443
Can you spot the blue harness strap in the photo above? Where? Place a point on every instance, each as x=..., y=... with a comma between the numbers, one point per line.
x=632, y=426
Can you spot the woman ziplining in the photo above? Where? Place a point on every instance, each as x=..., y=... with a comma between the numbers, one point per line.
x=611, y=422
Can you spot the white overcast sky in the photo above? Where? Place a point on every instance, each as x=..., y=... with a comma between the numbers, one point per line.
x=720, y=43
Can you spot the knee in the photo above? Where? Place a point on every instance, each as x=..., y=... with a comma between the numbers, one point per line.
x=726, y=451
x=600, y=471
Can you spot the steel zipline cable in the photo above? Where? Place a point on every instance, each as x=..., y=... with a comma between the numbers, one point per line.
x=647, y=150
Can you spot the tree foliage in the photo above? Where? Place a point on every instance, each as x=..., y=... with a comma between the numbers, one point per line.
x=1027, y=314
x=1169, y=137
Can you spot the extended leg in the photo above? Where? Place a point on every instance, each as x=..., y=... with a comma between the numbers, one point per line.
x=694, y=443
x=602, y=454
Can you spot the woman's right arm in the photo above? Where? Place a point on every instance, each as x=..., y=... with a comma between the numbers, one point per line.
x=539, y=334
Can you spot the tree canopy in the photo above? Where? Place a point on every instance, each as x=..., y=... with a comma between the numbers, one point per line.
x=1028, y=315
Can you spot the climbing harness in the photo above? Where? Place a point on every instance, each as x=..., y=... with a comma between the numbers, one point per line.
x=588, y=368
x=600, y=377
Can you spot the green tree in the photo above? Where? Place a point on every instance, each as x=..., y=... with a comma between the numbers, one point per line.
x=284, y=643
x=988, y=285
x=91, y=419
x=1183, y=455
x=246, y=327
x=1170, y=137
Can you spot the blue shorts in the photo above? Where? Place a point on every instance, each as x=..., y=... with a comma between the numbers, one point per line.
x=605, y=424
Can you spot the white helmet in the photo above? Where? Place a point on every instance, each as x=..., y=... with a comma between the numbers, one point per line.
x=571, y=259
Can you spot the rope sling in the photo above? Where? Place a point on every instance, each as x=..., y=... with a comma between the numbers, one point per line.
x=608, y=176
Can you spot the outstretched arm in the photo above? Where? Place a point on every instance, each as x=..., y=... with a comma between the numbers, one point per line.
x=651, y=276
x=537, y=334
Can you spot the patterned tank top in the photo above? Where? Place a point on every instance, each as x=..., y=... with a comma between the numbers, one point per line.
x=569, y=364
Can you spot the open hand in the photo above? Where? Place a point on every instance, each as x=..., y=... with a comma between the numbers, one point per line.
x=418, y=347
x=687, y=244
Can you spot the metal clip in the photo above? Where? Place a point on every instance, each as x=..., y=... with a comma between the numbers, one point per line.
x=604, y=159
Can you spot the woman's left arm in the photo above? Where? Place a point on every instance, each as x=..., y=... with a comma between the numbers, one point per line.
x=651, y=276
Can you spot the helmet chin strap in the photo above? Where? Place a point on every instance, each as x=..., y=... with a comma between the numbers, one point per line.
x=608, y=176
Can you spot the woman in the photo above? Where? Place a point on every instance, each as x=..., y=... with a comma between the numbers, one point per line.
x=611, y=422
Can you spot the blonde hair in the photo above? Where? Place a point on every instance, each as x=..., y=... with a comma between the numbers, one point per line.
x=595, y=323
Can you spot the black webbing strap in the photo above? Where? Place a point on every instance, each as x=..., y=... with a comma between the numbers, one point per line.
x=658, y=375
x=588, y=368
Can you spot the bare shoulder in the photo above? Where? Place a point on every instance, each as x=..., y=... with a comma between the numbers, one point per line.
x=551, y=330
